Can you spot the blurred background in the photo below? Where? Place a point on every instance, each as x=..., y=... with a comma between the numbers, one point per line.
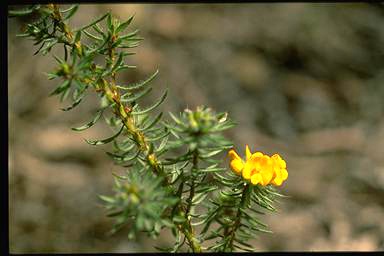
x=303, y=80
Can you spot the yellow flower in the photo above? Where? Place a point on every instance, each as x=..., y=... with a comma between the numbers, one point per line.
x=259, y=168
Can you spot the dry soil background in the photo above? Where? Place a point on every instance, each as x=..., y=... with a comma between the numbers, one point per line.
x=304, y=80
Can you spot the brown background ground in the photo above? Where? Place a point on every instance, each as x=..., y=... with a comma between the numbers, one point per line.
x=304, y=80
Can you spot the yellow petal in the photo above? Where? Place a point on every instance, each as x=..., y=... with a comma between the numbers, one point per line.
x=257, y=154
x=284, y=174
x=266, y=169
x=255, y=161
x=237, y=165
x=279, y=161
x=277, y=182
x=247, y=152
x=256, y=179
x=248, y=167
x=233, y=155
x=277, y=174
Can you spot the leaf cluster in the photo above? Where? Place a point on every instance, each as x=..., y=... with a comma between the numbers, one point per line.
x=236, y=209
x=173, y=177
x=139, y=202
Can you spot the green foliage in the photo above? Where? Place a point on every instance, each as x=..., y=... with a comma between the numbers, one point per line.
x=140, y=202
x=236, y=209
x=173, y=175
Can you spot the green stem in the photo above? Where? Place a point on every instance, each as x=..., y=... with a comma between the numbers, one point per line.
x=113, y=95
x=190, y=235
x=193, y=177
x=236, y=225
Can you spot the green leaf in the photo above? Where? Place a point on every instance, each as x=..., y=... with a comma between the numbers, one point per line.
x=263, y=204
x=140, y=84
x=51, y=76
x=140, y=222
x=49, y=46
x=123, y=25
x=256, y=211
x=125, y=67
x=243, y=246
x=118, y=62
x=95, y=119
x=93, y=23
x=178, y=242
x=218, y=169
x=173, y=133
x=152, y=123
x=109, y=21
x=100, y=48
x=64, y=94
x=116, y=156
x=152, y=107
x=132, y=34
x=162, y=145
x=99, y=30
x=161, y=249
x=128, y=53
x=179, y=219
x=136, y=97
x=92, y=36
x=15, y=13
x=167, y=223
x=223, y=178
x=255, y=222
x=133, y=45
x=131, y=42
x=77, y=36
x=77, y=102
x=72, y=11
x=126, y=159
x=198, y=198
x=60, y=61
x=210, y=154
x=165, y=134
x=107, y=199
x=218, y=245
x=74, y=57
x=105, y=141
x=117, y=179
x=177, y=121
x=222, y=126
x=64, y=86
x=198, y=223
x=148, y=225
x=65, y=52
x=115, y=213
x=206, y=189
x=67, y=10
x=259, y=229
x=23, y=35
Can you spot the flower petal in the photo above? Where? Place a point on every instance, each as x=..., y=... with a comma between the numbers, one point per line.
x=247, y=171
x=266, y=169
x=279, y=161
x=247, y=152
x=257, y=154
x=256, y=179
x=284, y=174
x=233, y=155
x=277, y=182
x=237, y=165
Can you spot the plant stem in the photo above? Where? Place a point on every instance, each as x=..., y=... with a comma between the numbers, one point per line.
x=195, y=247
x=236, y=225
x=124, y=113
x=193, y=178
